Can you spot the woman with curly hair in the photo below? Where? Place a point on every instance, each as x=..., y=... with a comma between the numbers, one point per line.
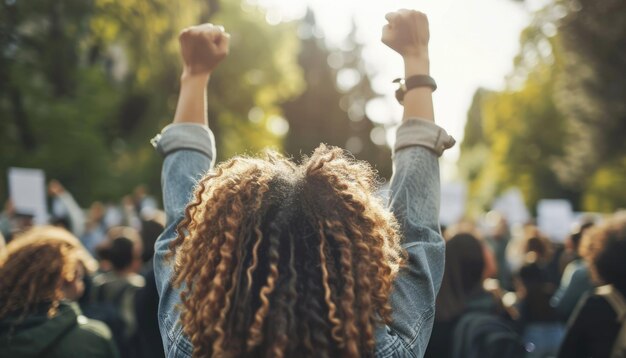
x=276, y=259
x=41, y=278
x=597, y=328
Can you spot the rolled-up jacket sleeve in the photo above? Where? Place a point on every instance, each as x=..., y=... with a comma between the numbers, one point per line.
x=189, y=153
x=415, y=195
x=423, y=133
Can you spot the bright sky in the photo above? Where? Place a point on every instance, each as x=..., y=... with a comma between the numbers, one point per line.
x=472, y=45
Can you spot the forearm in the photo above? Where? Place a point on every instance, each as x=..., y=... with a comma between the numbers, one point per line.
x=415, y=204
x=410, y=181
x=415, y=192
x=191, y=107
x=77, y=217
x=188, y=148
x=188, y=131
x=188, y=144
x=418, y=102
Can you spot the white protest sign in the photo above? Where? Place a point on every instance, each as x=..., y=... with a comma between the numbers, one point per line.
x=27, y=190
x=511, y=206
x=453, y=197
x=555, y=218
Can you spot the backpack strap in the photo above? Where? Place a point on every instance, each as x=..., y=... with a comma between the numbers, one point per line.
x=618, y=303
x=615, y=299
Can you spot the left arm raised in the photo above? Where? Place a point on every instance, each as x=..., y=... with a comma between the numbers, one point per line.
x=188, y=147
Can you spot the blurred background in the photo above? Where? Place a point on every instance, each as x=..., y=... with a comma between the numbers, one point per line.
x=534, y=91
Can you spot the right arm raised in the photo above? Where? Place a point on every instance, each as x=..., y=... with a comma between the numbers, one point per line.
x=415, y=188
x=407, y=33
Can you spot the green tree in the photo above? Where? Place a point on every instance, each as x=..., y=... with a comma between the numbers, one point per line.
x=260, y=73
x=514, y=137
x=52, y=102
x=332, y=107
x=84, y=84
x=558, y=130
x=592, y=86
x=591, y=93
x=474, y=158
x=585, y=38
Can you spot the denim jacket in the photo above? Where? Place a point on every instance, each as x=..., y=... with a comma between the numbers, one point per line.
x=189, y=153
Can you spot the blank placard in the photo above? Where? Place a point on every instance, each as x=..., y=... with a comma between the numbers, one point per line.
x=27, y=190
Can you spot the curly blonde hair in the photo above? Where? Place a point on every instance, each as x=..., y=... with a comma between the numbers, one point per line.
x=604, y=248
x=34, y=267
x=276, y=258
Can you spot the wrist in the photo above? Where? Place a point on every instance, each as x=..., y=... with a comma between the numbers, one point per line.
x=191, y=107
x=416, y=65
x=187, y=77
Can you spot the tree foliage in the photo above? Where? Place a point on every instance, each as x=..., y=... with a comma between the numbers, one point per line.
x=592, y=87
x=84, y=84
x=522, y=133
x=332, y=107
x=557, y=130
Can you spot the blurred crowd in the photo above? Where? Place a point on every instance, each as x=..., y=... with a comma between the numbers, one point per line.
x=506, y=288
x=507, y=291
x=117, y=293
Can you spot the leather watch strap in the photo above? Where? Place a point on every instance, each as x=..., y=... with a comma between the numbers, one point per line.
x=413, y=82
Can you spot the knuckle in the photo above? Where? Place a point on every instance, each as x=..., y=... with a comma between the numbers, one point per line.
x=184, y=33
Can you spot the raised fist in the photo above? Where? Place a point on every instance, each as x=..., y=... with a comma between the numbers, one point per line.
x=407, y=33
x=55, y=188
x=203, y=47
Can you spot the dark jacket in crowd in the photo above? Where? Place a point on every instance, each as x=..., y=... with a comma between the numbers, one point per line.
x=146, y=308
x=535, y=307
x=66, y=335
x=574, y=284
x=442, y=338
x=592, y=330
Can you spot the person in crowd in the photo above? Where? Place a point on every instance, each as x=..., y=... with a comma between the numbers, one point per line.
x=41, y=279
x=144, y=203
x=3, y=244
x=572, y=242
x=541, y=327
x=137, y=206
x=462, y=293
x=95, y=227
x=147, y=297
x=66, y=209
x=130, y=215
x=117, y=288
x=5, y=219
x=151, y=227
x=498, y=241
x=575, y=281
x=596, y=328
x=14, y=222
x=275, y=259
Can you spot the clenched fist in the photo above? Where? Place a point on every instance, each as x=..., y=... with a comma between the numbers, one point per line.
x=407, y=33
x=203, y=47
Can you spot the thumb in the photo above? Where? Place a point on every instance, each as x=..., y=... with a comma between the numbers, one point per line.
x=392, y=17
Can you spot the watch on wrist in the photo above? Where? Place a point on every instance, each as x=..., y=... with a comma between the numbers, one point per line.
x=413, y=82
